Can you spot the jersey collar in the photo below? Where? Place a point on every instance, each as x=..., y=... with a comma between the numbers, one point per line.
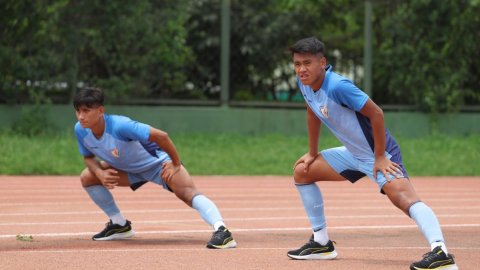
x=326, y=79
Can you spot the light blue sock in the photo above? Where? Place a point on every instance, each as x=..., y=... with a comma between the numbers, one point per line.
x=427, y=222
x=207, y=209
x=104, y=199
x=313, y=203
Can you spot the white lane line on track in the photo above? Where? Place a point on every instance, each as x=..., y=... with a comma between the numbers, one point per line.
x=284, y=199
x=253, y=230
x=170, y=210
x=194, y=220
x=208, y=250
x=224, y=209
x=460, y=197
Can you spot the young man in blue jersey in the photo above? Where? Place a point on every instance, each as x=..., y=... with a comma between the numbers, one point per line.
x=369, y=150
x=119, y=151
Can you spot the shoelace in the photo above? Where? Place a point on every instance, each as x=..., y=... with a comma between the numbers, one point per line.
x=108, y=224
x=312, y=241
x=220, y=234
x=430, y=256
x=309, y=243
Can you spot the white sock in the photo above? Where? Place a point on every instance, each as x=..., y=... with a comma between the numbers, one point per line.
x=118, y=219
x=218, y=224
x=321, y=236
x=439, y=244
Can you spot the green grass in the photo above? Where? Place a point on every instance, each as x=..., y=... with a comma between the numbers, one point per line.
x=229, y=154
x=43, y=155
x=442, y=155
x=241, y=155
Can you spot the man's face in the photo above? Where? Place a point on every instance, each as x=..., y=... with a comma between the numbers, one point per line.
x=89, y=117
x=310, y=69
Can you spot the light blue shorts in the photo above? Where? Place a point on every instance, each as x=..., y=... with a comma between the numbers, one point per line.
x=153, y=175
x=344, y=163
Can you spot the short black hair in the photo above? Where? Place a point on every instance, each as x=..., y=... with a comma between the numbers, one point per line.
x=310, y=45
x=90, y=97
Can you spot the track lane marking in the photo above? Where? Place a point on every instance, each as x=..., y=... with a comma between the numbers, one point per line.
x=208, y=250
x=387, y=227
x=225, y=209
x=167, y=221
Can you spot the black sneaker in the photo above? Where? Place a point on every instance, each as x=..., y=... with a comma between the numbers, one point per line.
x=114, y=231
x=435, y=259
x=314, y=251
x=222, y=238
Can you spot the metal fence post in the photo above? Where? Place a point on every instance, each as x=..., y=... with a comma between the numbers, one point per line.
x=225, y=54
x=367, y=49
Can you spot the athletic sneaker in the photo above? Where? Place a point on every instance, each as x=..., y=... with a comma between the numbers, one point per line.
x=222, y=238
x=314, y=251
x=115, y=231
x=435, y=259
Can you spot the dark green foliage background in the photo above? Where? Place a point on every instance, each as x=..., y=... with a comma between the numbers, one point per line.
x=425, y=52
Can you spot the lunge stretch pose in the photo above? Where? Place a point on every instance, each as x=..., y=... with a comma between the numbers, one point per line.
x=368, y=150
x=121, y=152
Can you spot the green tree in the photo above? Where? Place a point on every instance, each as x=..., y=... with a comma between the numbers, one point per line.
x=425, y=51
x=261, y=32
x=26, y=60
x=428, y=55
x=203, y=26
x=134, y=49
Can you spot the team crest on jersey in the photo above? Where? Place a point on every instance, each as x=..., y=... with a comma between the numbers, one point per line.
x=115, y=153
x=324, y=111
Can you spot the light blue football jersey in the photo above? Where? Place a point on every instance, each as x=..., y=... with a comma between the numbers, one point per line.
x=124, y=144
x=337, y=105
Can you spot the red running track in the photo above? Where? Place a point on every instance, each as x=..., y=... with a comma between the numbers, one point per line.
x=264, y=213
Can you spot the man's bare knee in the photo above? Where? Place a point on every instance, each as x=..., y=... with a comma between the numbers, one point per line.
x=88, y=179
x=299, y=174
x=185, y=194
x=402, y=196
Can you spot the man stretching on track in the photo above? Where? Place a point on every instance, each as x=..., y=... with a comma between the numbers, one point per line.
x=121, y=152
x=369, y=150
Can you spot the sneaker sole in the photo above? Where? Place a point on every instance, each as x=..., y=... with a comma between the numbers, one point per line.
x=116, y=236
x=322, y=256
x=446, y=267
x=230, y=244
